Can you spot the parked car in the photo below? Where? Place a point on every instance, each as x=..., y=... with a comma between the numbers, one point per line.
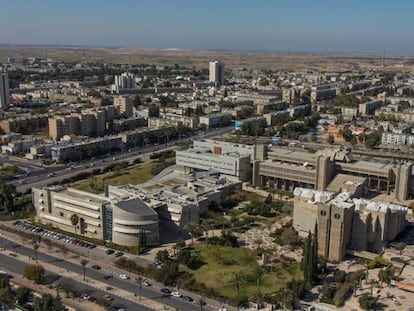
x=165, y=290
x=119, y=254
x=187, y=298
x=96, y=267
x=146, y=284
x=109, y=251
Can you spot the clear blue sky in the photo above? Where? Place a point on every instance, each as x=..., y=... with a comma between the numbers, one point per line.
x=288, y=25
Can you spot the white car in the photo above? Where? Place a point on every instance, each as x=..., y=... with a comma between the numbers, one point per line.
x=176, y=294
x=124, y=277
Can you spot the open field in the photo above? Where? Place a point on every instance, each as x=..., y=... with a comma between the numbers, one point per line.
x=222, y=263
x=199, y=58
x=135, y=175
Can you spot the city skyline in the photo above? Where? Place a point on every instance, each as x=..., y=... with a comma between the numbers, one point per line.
x=317, y=26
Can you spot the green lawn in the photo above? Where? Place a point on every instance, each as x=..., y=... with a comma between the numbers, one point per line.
x=222, y=263
x=134, y=175
x=10, y=170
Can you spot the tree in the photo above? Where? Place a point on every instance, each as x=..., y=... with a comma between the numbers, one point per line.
x=7, y=194
x=310, y=258
x=367, y=302
x=236, y=281
x=258, y=273
x=194, y=231
x=373, y=139
x=83, y=263
x=400, y=246
x=74, y=219
x=5, y=295
x=162, y=256
x=330, y=139
x=315, y=254
x=22, y=295
x=34, y=273
x=48, y=303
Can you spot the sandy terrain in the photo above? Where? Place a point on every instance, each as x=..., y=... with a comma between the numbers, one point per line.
x=198, y=58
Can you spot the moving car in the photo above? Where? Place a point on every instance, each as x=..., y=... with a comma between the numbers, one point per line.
x=124, y=277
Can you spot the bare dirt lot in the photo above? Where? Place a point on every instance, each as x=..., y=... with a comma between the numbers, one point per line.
x=199, y=58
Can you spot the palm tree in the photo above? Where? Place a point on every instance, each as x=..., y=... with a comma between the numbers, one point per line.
x=74, y=219
x=36, y=247
x=236, y=280
x=400, y=246
x=258, y=273
x=83, y=263
x=192, y=230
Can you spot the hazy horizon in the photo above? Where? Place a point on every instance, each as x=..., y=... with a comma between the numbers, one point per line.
x=318, y=26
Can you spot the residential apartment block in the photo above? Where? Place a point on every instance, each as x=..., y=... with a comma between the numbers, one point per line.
x=216, y=72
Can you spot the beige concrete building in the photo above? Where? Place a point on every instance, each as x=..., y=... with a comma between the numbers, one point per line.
x=345, y=221
x=123, y=106
x=222, y=157
x=322, y=92
x=123, y=221
x=286, y=169
x=369, y=108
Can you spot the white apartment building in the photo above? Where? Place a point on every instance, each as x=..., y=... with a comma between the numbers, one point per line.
x=216, y=70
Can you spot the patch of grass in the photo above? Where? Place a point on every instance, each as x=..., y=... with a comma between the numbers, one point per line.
x=219, y=275
x=133, y=175
x=10, y=170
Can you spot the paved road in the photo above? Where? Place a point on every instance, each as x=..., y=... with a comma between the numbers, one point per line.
x=17, y=267
x=40, y=175
x=152, y=293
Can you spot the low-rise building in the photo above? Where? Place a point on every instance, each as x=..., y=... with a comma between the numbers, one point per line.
x=130, y=221
x=369, y=108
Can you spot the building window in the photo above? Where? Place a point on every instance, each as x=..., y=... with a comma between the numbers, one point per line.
x=323, y=213
x=337, y=216
x=61, y=214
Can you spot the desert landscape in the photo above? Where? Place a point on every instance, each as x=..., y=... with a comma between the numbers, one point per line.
x=198, y=58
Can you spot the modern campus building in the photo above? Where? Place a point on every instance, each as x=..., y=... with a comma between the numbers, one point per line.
x=216, y=72
x=132, y=214
x=217, y=156
x=345, y=221
x=177, y=202
x=129, y=221
x=4, y=91
x=286, y=169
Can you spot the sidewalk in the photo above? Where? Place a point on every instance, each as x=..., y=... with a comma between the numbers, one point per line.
x=79, y=278
x=74, y=258
x=42, y=289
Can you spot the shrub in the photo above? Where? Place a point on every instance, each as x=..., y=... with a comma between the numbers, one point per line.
x=378, y=262
x=367, y=302
x=34, y=273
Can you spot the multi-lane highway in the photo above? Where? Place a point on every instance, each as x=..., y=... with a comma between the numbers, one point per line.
x=106, y=276
x=41, y=175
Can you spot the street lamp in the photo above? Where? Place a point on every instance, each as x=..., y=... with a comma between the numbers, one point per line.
x=139, y=280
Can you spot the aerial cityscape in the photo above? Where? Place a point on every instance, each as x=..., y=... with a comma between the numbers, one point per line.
x=185, y=155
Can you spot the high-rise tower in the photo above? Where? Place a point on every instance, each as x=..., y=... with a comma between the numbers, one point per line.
x=216, y=72
x=4, y=91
